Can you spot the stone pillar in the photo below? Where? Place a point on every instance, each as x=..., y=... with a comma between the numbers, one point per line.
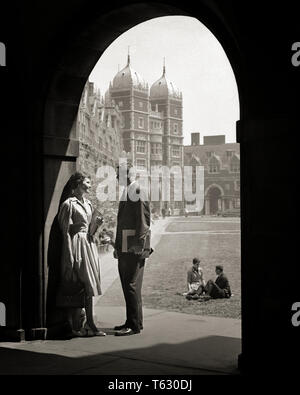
x=223, y=204
x=220, y=204
x=207, y=207
x=264, y=228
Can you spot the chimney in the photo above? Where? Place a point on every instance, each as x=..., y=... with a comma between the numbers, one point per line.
x=214, y=140
x=195, y=139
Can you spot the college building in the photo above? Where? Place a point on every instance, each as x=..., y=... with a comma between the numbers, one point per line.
x=134, y=121
x=221, y=162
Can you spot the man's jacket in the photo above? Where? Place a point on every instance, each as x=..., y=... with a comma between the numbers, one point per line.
x=133, y=228
x=223, y=283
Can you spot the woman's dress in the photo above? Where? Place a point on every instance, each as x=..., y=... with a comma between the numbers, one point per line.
x=80, y=264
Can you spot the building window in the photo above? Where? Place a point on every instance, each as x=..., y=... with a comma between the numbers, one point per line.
x=141, y=123
x=175, y=111
x=208, y=154
x=155, y=148
x=227, y=187
x=175, y=128
x=237, y=203
x=229, y=154
x=235, y=165
x=176, y=151
x=141, y=164
x=140, y=147
x=121, y=104
x=214, y=165
x=155, y=125
x=141, y=104
x=177, y=204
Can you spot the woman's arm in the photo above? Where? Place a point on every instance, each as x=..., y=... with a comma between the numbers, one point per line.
x=65, y=221
x=189, y=281
x=65, y=217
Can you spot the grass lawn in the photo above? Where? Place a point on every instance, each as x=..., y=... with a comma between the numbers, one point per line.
x=165, y=271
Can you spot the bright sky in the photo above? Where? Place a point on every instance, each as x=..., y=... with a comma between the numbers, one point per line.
x=195, y=62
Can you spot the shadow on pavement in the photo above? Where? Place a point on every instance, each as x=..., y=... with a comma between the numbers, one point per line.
x=214, y=357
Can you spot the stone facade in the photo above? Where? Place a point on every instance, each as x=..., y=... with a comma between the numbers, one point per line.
x=99, y=129
x=221, y=163
x=152, y=133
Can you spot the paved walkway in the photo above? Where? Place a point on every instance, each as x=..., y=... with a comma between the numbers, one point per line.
x=171, y=343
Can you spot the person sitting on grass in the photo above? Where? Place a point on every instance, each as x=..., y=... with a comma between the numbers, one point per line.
x=218, y=289
x=195, y=281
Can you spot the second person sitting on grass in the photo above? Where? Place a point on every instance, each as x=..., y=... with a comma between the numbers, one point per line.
x=219, y=288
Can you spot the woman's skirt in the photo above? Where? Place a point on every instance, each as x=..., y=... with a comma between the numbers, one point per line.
x=87, y=263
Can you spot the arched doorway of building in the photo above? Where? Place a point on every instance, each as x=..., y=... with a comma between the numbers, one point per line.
x=214, y=197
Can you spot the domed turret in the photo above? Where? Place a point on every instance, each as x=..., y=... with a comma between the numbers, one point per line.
x=128, y=77
x=164, y=88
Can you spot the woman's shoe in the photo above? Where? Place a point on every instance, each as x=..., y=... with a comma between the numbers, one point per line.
x=77, y=333
x=93, y=332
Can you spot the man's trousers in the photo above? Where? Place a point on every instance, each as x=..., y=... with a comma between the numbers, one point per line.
x=131, y=271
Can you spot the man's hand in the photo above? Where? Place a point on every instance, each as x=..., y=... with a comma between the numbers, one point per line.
x=115, y=254
x=136, y=249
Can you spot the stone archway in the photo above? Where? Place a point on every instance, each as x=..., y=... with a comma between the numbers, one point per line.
x=64, y=59
x=60, y=142
x=214, y=196
x=59, y=47
x=213, y=199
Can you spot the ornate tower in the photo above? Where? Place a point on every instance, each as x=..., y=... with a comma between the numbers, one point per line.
x=167, y=99
x=131, y=93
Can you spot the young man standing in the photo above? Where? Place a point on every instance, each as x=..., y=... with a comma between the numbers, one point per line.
x=132, y=247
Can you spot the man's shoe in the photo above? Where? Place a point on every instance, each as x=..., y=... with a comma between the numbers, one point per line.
x=119, y=327
x=126, y=332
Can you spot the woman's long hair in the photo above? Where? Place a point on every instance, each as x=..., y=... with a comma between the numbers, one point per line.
x=71, y=185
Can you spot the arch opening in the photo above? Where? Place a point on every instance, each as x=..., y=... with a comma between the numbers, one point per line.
x=113, y=118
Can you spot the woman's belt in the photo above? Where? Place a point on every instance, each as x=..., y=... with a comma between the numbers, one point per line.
x=76, y=228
